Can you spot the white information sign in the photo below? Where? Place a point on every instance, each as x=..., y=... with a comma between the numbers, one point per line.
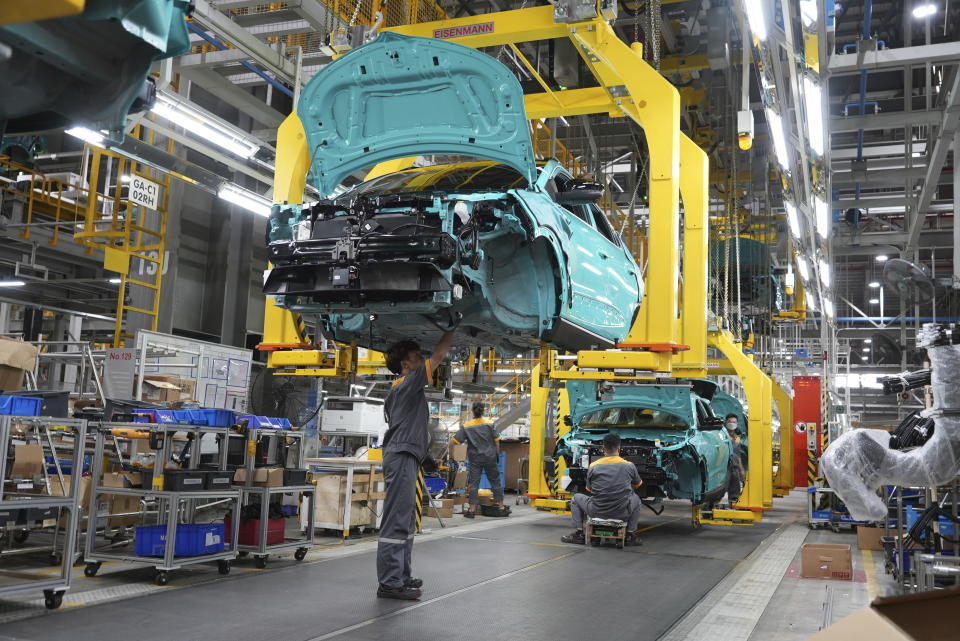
x=144, y=192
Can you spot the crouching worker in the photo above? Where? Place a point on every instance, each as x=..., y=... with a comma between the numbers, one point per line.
x=612, y=482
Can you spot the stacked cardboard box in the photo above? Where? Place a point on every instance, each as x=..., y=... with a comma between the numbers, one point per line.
x=16, y=359
x=331, y=497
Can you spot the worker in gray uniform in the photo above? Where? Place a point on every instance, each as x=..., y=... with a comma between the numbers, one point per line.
x=483, y=456
x=612, y=482
x=405, y=445
x=735, y=472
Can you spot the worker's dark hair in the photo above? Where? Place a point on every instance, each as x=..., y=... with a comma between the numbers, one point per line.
x=731, y=415
x=399, y=352
x=478, y=409
x=611, y=442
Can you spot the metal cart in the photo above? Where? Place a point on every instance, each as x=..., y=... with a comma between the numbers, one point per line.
x=172, y=507
x=16, y=505
x=264, y=495
x=351, y=467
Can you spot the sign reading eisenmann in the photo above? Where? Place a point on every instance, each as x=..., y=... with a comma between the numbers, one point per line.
x=465, y=30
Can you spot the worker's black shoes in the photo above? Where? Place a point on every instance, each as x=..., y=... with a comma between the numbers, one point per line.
x=632, y=540
x=574, y=537
x=404, y=594
x=469, y=514
x=414, y=583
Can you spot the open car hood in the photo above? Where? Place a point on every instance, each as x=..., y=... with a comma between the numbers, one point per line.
x=674, y=399
x=402, y=96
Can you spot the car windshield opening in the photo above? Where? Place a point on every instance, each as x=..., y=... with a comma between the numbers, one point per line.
x=459, y=177
x=637, y=417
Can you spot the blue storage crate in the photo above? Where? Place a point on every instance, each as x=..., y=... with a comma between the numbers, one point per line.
x=66, y=465
x=282, y=423
x=183, y=417
x=193, y=539
x=20, y=406
x=947, y=527
x=257, y=422
x=435, y=484
x=212, y=417
x=150, y=415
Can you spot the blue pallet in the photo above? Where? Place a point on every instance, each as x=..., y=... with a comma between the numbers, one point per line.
x=20, y=406
x=193, y=539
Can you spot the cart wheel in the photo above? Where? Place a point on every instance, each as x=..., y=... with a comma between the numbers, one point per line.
x=594, y=542
x=261, y=562
x=812, y=526
x=21, y=536
x=54, y=559
x=300, y=554
x=243, y=555
x=91, y=569
x=52, y=600
x=835, y=528
x=78, y=561
x=223, y=567
x=162, y=577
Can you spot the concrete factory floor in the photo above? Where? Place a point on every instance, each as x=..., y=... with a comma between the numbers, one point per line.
x=491, y=578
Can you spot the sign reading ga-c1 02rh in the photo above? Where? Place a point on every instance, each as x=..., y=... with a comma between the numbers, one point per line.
x=144, y=192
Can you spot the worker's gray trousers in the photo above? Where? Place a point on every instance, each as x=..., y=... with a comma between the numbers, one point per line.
x=734, y=484
x=581, y=508
x=492, y=468
x=398, y=523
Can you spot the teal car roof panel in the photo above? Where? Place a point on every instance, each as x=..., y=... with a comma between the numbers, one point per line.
x=674, y=399
x=402, y=96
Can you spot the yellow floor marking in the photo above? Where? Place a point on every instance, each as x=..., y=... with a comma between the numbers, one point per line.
x=650, y=527
x=873, y=587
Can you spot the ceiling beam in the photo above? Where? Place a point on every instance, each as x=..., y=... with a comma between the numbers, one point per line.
x=887, y=120
x=845, y=64
x=234, y=95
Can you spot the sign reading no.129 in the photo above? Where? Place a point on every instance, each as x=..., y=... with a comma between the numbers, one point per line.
x=144, y=192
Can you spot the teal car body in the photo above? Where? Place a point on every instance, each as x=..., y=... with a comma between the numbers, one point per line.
x=502, y=247
x=670, y=432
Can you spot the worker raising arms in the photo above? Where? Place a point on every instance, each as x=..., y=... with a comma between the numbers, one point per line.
x=405, y=445
x=483, y=455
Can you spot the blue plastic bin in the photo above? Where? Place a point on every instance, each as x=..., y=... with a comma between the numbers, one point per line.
x=947, y=527
x=66, y=465
x=435, y=484
x=149, y=415
x=210, y=417
x=485, y=484
x=20, y=406
x=193, y=539
x=282, y=423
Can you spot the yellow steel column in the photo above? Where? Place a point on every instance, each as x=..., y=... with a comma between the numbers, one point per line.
x=784, y=478
x=694, y=175
x=539, y=396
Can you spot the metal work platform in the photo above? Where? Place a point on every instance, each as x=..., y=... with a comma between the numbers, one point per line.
x=489, y=578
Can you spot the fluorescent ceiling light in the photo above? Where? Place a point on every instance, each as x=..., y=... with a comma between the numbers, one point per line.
x=924, y=10
x=873, y=284
x=456, y=391
x=789, y=280
x=802, y=268
x=758, y=21
x=203, y=126
x=246, y=199
x=808, y=12
x=502, y=390
x=828, y=307
x=824, y=273
x=792, y=220
x=866, y=349
x=874, y=301
x=12, y=283
x=864, y=358
x=114, y=281
x=823, y=217
x=125, y=178
x=779, y=142
x=812, y=303
x=882, y=258
x=86, y=135
x=868, y=340
x=811, y=96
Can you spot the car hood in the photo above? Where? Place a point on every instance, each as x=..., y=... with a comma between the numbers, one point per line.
x=674, y=399
x=402, y=96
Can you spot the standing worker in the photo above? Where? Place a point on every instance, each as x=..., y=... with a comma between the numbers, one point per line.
x=405, y=445
x=612, y=482
x=735, y=471
x=483, y=455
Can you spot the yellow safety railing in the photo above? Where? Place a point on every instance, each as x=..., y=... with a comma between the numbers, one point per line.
x=499, y=402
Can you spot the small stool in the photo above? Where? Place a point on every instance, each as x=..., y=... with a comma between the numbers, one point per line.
x=598, y=531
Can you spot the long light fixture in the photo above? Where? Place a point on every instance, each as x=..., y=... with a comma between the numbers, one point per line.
x=792, y=220
x=808, y=12
x=811, y=95
x=823, y=217
x=874, y=284
x=828, y=307
x=779, y=142
x=12, y=283
x=803, y=269
x=244, y=198
x=924, y=10
x=86, y=135
x=824, y=273
x=758, y=21
x=202, y=125
x=882, y=258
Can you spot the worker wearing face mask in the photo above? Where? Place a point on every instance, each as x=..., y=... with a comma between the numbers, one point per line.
x=736, y=474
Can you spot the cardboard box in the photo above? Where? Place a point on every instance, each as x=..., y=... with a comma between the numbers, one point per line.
x=159, y=391
x=262, y=476
x=16, y=358
x=928, y=616
x=826, y=561
x=443, y=506
x=56, y=489
x=331, y=500
x=460, y=480
x=27, y=462
x=458, y=452
x=868, y=538
x=122, y=479
x=122, y=504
